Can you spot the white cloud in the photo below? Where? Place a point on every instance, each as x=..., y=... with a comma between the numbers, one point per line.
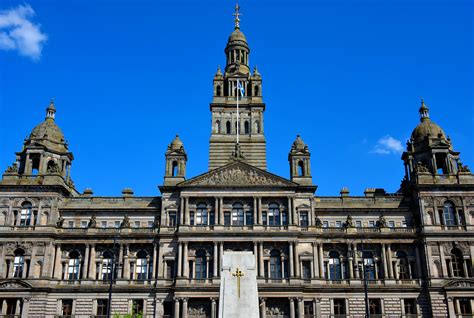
x=18, y=32
x=388, y=145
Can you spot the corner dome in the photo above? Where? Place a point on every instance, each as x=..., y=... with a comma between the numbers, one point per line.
x=237, y=36
x=176, y=144
x=426, y=128
x=299, y=144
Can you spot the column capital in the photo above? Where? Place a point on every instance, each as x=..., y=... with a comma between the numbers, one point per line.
x=176, y=299
x=213, y=299
x=300, y=299
x=262, y=299
x=185, y=299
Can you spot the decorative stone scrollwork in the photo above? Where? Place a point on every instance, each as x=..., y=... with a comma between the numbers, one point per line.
x=14, y=285
x=11, y=247
x=421, y=168
x=463, y=168
x=460, y=284
x=12, y=169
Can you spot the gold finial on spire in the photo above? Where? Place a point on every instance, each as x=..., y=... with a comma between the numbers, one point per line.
x=424, y=111
x=237, y=14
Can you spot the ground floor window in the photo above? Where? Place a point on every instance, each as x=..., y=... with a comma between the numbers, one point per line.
x=339, y=307
x=102, y=307
x=409, y=306
x=462, y=306
x=308, y=309
x=66, y=307
x=375, y=306
x=137, y=307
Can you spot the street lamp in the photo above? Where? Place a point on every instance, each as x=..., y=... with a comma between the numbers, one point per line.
x=367, y=264
x=111, y=281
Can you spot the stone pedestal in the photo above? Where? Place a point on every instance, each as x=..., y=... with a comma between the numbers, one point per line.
x=238, y=288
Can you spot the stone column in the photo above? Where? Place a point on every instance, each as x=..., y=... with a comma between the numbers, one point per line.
x=259, y=212
x=290, y=214
x=213, y=308
x=26, y=308
x=221, y=253
x=57, y=263
x=18, y=306
x=315, y=260
x=300, y=308
x=185, y=308
x=85, y=269
x=4, y=307
x=321, y=264
x=297, y=260
x=443, y=261
x=418, y=262
x=159, y=307
x=155, y=262
x=451, y=311
x=188, y=220
x=180, y=260
x=181, y=212
x=254, y=209
x=215, y=258
x=176, y=307
x=92, y=265
x=291, y=260
x=216, y=211
x=221, y=211
x=260, y=260
x=384, y=260
x=126, y=263
x=255, y=253
x=292, y=308
x=185, y=260
x=120, y=272
x=263, y=308
x=389, y=258
x=472, y=261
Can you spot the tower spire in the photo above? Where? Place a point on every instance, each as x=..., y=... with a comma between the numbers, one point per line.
x=51, y=110
x=424, y=110
x=237, y=14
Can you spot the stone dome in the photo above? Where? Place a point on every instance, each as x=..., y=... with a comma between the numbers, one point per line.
x=298, y=144
x=237, y=36
x=48, y=134
x=427, y=128
x=176, y=144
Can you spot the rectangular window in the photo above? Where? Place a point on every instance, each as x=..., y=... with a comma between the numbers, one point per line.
x=371, y=223
x=304, y=219
x=308, y=309
x=338, y=223
x=249, y=218
x=102, y=306
x=284, y=218
x=136, y=224
x=358, y=224
x=212, y=218
x=137, y=307
x=70, y=224
x=227, y=218
x=306, y=270
x=339, y=307
x=169, y=269
x=66, y=307
x=117, y=224
x=375, y=307
x=464, y=307
x=25, y=217
x=191, y=218
x=404, y=223
x=391, y=224
x=325, y=224
x=264, y=218
x=172, y=220
x=150, y=224
x=84, y=224
x=409, y=306
x=103, y=224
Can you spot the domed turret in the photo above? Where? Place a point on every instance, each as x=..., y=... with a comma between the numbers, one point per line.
x=176, y=158
x=237, y=49
x=176, y=144
x=426, y=128
x=299, y=144
x=299, y=158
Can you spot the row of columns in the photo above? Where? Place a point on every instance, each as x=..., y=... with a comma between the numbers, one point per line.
x=181, y=307
x=256, y=210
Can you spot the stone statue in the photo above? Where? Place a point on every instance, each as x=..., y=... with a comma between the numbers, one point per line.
x=420, y=167
x=12, y=169
x=156, y=223
x=60, y=221
x=463, y=168
x=382, y=222
x=317, y=222
x=125, y=222
x=53, y=168
x=92, y=222
x=349, y=222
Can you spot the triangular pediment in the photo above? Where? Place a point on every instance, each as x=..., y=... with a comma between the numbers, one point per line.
x=238, y=174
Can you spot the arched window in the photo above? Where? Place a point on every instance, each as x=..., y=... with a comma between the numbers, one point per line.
x=201, y=264
x=107, y=265
x=19, y=263
x=334, y=261
x=142, y=265
x=174, y=168
x=403, y=265
x=218, y=126
x=247, y=127
x=25, y=214
x=73, y=265
x=273, y=214
x=218, y=90
x=275, y=264
x=201, y=214
x=256, y=90
x=228, y=129
x=237, y=214
x=449, y=214
x=300, y=168
x=457, y=263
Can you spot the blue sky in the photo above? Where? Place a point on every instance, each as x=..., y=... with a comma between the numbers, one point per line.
x=129, y=75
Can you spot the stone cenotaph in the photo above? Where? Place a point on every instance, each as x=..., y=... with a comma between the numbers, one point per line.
x=238, y=290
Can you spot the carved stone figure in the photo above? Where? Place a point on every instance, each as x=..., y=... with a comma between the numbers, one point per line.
x=463, y=168
x=317, y=222
x=12, y=169
x=156, y=223
x=382, y=222
x=420, y=167
x=60, y=221
x=53, y=168
x=92, y=222
x=349, y=222
x=126, y=222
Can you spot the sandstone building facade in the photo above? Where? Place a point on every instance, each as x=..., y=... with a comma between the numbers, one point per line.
x=62, y=251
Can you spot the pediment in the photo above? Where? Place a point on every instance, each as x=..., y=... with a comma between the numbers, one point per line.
x=460, y=284
x=238, y=174
x=14, y=284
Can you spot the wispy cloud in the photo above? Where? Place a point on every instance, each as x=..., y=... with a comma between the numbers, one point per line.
x=388, y=145
x=18, y=32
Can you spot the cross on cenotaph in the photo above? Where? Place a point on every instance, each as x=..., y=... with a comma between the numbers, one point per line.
x=238, y=274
